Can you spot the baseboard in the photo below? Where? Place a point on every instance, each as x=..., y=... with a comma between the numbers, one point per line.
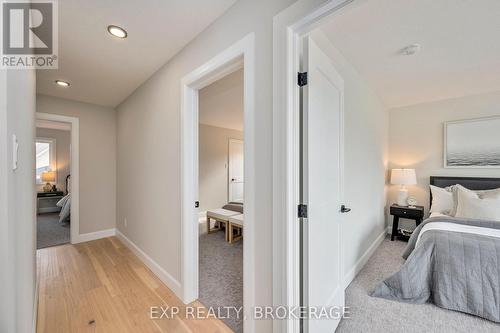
x=35, y=305
x=96, y=235
x=162, y=274
x=364, y=258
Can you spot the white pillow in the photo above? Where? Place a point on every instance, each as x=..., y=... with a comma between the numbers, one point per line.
x=465, y=191
x=481, y=194
x=489, y=194
x=442, y=200
x=477, y=208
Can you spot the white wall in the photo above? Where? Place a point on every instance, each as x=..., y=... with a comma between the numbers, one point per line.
x=221, y=103
x=366, y=155
x=149, y=144
x=416, y=139
x=97, y=160
x=63, y=143
x=213, y=162
x=17, y=202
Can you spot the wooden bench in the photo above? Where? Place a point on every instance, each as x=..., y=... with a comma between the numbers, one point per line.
x=221, y=217
x=235, y=228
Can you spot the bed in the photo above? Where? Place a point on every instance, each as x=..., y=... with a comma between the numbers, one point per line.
x=453, y=259
x=65, y=203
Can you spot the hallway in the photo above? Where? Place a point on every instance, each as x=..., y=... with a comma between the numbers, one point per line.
x=101, y=286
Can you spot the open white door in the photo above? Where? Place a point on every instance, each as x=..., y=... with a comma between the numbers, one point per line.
x=235, y=177
x=322, y=141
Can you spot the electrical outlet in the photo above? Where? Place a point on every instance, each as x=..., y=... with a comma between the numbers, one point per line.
x=125, y=222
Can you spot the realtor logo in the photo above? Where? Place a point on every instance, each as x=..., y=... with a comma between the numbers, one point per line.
x=29, y=34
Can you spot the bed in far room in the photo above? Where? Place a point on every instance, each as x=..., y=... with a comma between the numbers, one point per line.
x=65, y=202
x=453, y=258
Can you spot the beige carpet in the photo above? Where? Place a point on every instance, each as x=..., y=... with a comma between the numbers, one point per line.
x=374, y=315
x=49, y=232
x=221, y=276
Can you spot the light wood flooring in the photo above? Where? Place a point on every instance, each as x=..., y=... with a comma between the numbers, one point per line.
x=101, y=286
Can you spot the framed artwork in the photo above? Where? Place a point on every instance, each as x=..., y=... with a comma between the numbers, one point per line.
x=473, y=143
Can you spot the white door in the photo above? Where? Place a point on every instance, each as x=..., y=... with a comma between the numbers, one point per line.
x=322, y=140
x=235, y=176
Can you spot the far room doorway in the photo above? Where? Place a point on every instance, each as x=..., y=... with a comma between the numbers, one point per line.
x=56, y=180
x=221, y=188
x=237, y=59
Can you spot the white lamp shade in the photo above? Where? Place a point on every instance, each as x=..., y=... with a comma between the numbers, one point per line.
x=48, y=176
x=403, y=177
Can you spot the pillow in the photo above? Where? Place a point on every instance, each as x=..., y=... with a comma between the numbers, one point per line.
x=442, y=200
x=477, y=208
x=465, y=191
x=481, y=194
x=489, y=194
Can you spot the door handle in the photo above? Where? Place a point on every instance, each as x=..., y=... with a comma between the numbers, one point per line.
x=344, y=209
x=233, y=179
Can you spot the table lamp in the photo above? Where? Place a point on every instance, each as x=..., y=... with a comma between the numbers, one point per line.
x=403, y=177
x=48, y=177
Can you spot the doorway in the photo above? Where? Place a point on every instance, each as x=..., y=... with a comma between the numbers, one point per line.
x=239, y=55
x=221, y=196
x=57, y=179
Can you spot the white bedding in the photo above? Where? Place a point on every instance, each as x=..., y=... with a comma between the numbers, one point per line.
x=65, y=204
x=458, y=228
x=437, y=214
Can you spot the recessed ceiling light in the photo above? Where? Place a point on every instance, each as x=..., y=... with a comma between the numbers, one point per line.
x=411, y=49
x=117, y=31
x=62, y=83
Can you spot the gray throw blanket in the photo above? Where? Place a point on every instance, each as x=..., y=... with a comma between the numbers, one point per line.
x=454, y=270
x=234, y=206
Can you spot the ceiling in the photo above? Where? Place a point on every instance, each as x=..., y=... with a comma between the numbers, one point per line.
x=103, y=69
x=221, y=103
x=460, y=48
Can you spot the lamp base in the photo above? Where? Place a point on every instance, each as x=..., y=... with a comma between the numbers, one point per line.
x=47, y=187
x=403, y=197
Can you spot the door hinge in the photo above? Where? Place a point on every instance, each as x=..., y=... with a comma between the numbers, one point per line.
x=196, y=204
x=302, y=211
x=302, y=79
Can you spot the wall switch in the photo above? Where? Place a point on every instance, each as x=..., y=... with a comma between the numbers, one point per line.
x=15, y=151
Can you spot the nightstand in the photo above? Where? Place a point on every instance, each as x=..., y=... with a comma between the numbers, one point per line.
x=415, y=213
x=46, y=202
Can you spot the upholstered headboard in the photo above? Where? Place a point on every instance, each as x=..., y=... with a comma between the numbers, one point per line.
x=472, y=183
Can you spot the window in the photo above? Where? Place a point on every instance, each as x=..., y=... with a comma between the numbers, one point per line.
x=45, y=157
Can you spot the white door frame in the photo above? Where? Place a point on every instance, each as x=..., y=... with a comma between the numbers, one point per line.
x=75, y=170
x=289, y=26
x=224, y=63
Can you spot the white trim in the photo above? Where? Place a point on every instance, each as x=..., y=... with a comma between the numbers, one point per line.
x=162, y=274
x=219, y=66
x=202, y=214
x=358, y=266
x=445, y=144
x=96, y=235
x=289, y=25
x=53, y=125
x=75, y=169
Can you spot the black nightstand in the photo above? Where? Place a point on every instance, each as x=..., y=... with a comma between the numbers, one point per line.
x=414, y=213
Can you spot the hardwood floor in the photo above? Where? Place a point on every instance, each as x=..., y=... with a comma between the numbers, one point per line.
x=101, y=286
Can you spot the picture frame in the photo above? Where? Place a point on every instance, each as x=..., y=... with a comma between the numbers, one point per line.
x=472, y=143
